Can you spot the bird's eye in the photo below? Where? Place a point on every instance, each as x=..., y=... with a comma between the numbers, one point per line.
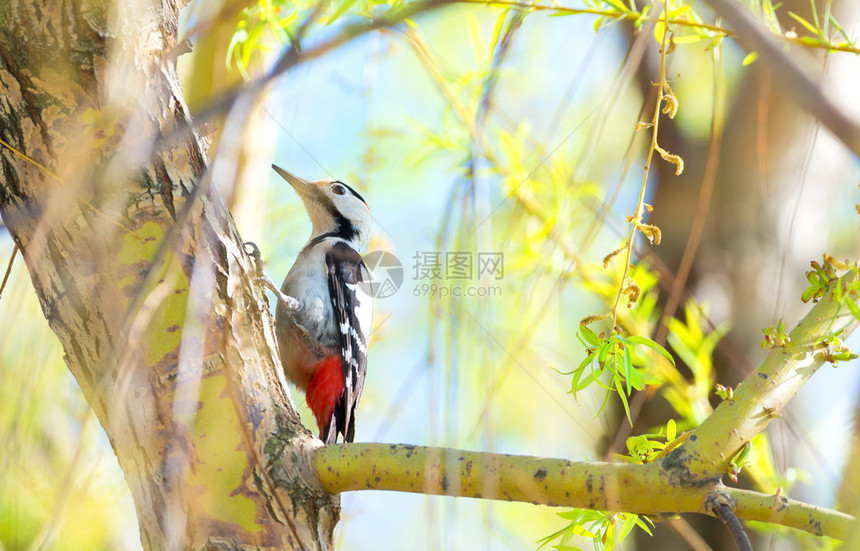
x=338, y=189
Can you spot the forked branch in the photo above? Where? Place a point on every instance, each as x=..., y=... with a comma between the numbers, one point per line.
x=685, y=480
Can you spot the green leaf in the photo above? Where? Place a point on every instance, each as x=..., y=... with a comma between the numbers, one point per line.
x=544, y=541
x=580, y=530
x=494, y=37
x=742, y=454
x=750, y=58
x=659, y=29
x=636, y=379
x=628, y=366
x=814, y=14
x=809, y=26
x=636, y=339
x=680, y=12
x=841, y=31
x=635, y=444
x=628, y=525
x=597, y=373
x=590, y=336
x=689, y=39
x=582, y=365
x=617, y=5
x=474, y=31
x=609, y=536
x=812, y=41
x=584, y=384
x=238, y=39
x=641, y=524
x=623, y=400
x=604, y=352
x=574, y=515
x=852, y=307
x=605, y=400
x=671, y=430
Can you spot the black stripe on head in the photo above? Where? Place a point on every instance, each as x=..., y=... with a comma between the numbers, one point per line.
x=345, y=229
x=355, y=193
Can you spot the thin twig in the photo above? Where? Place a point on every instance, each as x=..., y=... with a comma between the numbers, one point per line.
x=640, y=207
x=726, y=514
x=687, y=533
x=849, y=48
x=613, y=14
x=8, y=269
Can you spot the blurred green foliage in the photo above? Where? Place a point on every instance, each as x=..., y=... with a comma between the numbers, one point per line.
x=60, y=485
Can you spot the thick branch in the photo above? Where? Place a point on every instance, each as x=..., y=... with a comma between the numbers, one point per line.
x=686, y=480
x=781, y=510
x=765, y=392
x=792, y=71
x=642, y=489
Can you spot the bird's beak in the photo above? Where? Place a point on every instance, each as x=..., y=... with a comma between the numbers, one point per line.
x=302, y=187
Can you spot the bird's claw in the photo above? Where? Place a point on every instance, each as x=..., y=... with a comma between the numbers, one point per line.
x=291, y=304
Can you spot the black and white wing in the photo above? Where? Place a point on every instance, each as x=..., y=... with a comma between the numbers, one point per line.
x=349, y=287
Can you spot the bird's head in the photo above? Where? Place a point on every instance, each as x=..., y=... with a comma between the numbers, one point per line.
x=334, y=208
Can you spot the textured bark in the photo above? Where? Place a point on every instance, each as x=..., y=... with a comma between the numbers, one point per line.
x=141, y=274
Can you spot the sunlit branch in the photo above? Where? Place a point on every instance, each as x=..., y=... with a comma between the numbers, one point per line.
x=792, y=71
x=765, y=392
x=639, y=16
x=642, y=489
x=685, y=480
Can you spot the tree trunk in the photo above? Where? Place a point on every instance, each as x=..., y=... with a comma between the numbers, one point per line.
x=142, y=276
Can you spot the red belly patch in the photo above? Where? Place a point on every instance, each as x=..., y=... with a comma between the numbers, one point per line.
x=325, y=389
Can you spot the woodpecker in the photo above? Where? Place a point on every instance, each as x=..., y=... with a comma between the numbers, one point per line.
x=323, y=341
